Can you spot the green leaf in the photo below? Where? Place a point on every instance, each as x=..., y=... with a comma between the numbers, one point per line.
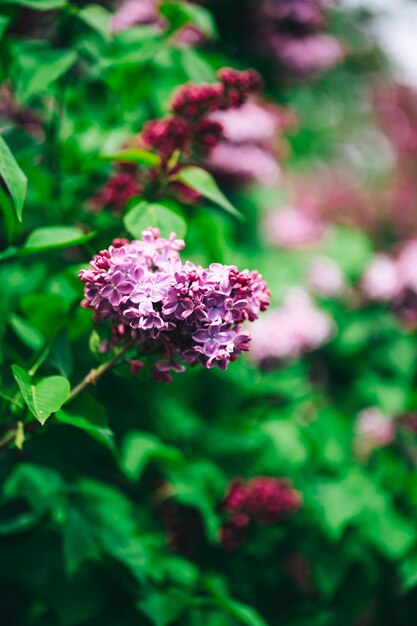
x=40, y=66
x=27, y=333
x=140, y=448
x=163, y=215
x=97, y=17
x=101, y=433
x=45, y=397
x=40, y=5
x=179, y=14
x=51, y=237
x=241, y=612
x=79, y=541
x=203, y=182
x=165, y=607
x=14, y=178
x=4, y=22
x=134, y=155
x=36, y=484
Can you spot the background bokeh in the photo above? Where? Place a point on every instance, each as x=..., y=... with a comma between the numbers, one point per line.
x=282, y=491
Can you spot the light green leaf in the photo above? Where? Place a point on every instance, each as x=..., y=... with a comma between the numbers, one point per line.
x=97, y=17
x=14, y=178
x=203, y=182
x=134, y=155
x=180, y=13
x=164, y=215
x=44, y=397
x=40, y=5
x=51, y=237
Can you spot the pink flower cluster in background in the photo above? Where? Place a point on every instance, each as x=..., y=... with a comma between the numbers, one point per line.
x=373, y=430
x=293, y=227
x=290, y=32
x=250, y=142
x=182, y=312
x=325, y=277
x=393, y=279
x=262, y=499
x=295, y=328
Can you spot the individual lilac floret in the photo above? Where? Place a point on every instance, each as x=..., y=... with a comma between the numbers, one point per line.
x=179, y=312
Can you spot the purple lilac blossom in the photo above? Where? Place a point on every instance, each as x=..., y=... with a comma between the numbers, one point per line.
x=181, y=312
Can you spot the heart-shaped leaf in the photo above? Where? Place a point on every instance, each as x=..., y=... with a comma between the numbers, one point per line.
x=44, y=397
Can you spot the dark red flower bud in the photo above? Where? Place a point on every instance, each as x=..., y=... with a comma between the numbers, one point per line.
x=239, y=85
x=208, y=133
x=195, y=101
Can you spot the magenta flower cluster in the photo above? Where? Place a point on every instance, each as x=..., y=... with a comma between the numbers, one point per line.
x=181, y=312
x=263, y=499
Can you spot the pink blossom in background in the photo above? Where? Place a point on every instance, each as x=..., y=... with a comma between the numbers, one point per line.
x=298, y=326
x=251, y=142
x=325, y=277
x=303, y=13
x=306, y=55
x=407, y=264
x=291, y=33
x=135, y=12
x=245, y=162
x=393, y=279
x=396, y=109
x=373, y=430
x=382, y=279
x=292, y=227
x=252, y=122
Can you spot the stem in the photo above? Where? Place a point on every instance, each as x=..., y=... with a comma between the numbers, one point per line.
x=90, y=379
x=94, y=374
x=8, y=438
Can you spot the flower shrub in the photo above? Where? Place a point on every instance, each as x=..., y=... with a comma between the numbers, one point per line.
x=279, y=488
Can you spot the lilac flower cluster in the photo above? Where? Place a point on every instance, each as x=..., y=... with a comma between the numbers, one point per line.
x=263, y=499
x=297, y=327
x=393, y=279
x=181, y=312
x=290, y=31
